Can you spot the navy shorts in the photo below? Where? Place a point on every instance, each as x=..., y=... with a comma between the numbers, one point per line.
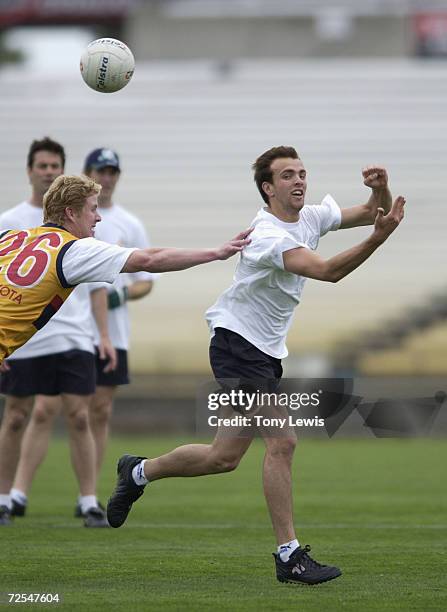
x=67, y=372
x=120, y=376
x=238, y=364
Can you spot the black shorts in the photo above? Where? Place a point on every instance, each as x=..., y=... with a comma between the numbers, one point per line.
x=67, y=372
x=120, y=376
x=236, y=363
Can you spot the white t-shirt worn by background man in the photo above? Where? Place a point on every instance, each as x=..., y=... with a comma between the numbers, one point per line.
x=118, y=226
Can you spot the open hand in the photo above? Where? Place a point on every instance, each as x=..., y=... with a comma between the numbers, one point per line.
x=384, y=225
x=234, y=246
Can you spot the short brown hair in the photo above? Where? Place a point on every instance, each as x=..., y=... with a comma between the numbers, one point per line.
x=67, y=191
x=262, y=166
x=46, y=144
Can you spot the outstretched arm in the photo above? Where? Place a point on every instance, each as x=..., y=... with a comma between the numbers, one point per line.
x=170, y=259
x=304, y=262
x=376, y=178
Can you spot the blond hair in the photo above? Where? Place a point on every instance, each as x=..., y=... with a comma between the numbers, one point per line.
x=67, y=191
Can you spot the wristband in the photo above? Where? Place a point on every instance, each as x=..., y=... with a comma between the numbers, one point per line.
x=117, y=297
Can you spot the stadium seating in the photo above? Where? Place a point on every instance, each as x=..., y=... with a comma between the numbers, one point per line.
x=187, y=134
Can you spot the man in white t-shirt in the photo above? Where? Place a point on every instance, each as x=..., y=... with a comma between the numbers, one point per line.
x=118, y=226
x=249, y=324
x=41, y=266
x=56, y=368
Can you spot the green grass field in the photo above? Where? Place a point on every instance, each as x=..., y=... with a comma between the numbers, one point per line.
x=375, y=508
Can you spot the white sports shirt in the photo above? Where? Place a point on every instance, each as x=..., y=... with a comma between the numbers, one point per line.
x=86, y=260
x=260, y=303
x=118, y=226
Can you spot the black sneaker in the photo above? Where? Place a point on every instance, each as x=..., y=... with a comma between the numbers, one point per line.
x=126, y=491
x=18, y=509
x=301, y=568
x=5, y=515
x=95, y=517
x=78, y=512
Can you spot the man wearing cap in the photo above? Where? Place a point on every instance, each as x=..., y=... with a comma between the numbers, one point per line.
x=118, y=226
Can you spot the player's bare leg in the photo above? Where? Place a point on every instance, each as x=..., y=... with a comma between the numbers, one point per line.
x=35, y=441
x=99, y=416
x=223, y=455
x=292, y=561
x=277, y=479
x=83, y=457
x=82, y=446
x=280, y=443
x=15, y=417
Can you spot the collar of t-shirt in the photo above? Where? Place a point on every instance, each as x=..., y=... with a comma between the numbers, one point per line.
x=264, y=215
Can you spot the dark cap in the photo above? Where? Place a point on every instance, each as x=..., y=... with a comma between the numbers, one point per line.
x=102, y=158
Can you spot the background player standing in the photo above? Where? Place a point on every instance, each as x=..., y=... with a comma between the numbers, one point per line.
x=118, y=226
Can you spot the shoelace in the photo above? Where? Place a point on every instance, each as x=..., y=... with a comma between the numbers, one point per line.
x=309, y=562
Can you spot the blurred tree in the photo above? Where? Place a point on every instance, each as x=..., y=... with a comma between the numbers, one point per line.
x=7, y=55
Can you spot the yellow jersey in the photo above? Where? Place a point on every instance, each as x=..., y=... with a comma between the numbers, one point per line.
x=32, y=285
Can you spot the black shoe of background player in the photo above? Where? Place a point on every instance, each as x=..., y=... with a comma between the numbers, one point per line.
x=126, y=491
x=18, y=509
x=301, y=568
x=95, y=517
x=5, y=515
x=78, y=512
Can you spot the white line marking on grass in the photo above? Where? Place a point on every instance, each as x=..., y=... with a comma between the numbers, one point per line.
x=133, y=525
x=222, y=526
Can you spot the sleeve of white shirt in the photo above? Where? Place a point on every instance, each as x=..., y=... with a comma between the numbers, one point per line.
x=89, y=260
x=267, y=250
x=329, y=214
x=95, y=286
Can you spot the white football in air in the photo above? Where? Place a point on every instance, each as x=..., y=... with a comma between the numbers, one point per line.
x=107, y=65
